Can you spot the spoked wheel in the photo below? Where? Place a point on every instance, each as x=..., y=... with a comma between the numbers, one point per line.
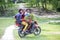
x=37, y=31
x=20, y=33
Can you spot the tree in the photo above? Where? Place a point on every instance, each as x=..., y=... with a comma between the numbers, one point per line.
x=37, y=3
x=4, y=7
x=31, y=3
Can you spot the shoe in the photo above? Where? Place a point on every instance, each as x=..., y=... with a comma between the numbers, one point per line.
x=22, y=32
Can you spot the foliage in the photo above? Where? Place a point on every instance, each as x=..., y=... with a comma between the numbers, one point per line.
x=7, y=8
x=44, y=3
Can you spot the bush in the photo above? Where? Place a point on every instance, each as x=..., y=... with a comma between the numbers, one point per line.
x=8, y=11
x=58, y=9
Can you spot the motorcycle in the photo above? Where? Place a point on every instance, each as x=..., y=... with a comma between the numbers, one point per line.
x=36, y=30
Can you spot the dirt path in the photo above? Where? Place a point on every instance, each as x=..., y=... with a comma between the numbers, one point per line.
x=21, y=6
x=8, y=35
x=53, y=32
x=48, y=16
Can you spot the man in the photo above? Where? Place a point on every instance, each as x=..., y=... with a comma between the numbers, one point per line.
x=30, y=18
x=24, y=22
x=28, y=14
x=20, y=19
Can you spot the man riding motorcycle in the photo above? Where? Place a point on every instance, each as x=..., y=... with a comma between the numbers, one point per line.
x=23, y=18
x=20, y=19
x=30, y=18
x=26, y=21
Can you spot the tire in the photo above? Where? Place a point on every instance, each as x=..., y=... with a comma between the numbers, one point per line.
x=37, y=31
x=20, y=33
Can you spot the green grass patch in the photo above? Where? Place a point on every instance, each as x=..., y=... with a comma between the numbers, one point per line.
x=4, y=23
x=42, y=36
x=42, y=20
x=54, y=23
x=50, y=27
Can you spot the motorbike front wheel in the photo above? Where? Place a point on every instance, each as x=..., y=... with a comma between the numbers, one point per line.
x=21, y=34
x=37, y=31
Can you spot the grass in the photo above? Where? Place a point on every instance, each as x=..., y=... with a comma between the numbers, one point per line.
x=45, y=27
x=50, y=27
x=43, y=36
x=54, y=23
x=42, y=20
x=4, y=23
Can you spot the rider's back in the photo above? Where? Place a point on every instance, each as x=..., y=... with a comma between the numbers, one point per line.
x=18, y=17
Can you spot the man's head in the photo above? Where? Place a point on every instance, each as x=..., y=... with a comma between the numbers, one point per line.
x=20, y=10
x=28, y=10
x=23, y=11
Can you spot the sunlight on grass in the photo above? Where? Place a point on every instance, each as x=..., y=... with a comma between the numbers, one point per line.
x=40, y=37
x=50, y=27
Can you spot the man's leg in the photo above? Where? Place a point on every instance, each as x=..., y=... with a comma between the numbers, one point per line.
x=32, y=26
x=26, y=25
